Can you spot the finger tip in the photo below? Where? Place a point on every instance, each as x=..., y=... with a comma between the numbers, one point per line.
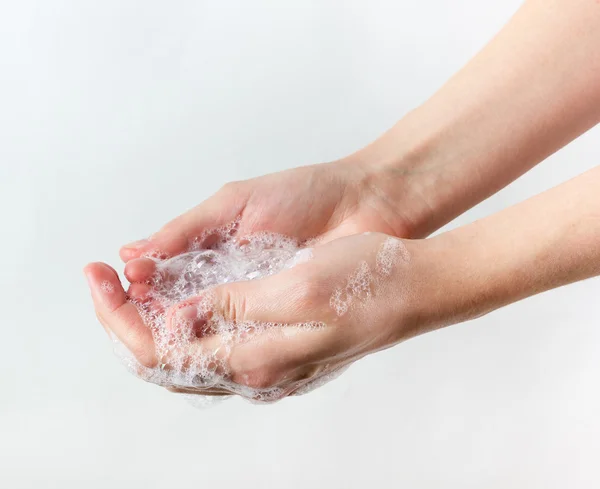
x=103, y=278
x=128, y=254
x=87, y=269
x=139, y=269
x=138, y=291
x=92, y=270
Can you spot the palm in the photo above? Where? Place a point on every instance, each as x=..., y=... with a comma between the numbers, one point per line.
x=314, y=202
x=310, y=202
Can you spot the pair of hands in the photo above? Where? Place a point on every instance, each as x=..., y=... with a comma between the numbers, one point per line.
x=340, y=206
x=438, y=161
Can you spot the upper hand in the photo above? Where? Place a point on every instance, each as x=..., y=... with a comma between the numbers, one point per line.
x=321, y=202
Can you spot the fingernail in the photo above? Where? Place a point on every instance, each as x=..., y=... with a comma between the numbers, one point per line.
x=136, y=244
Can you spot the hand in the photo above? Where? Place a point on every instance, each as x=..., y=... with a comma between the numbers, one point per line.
x=321, y=202
x=354, y=293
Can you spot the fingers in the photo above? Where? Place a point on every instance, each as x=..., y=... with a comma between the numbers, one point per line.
x=275, y=358
x=139, y=269
x=118, y=315
x=280, y=339
x=177, y=236
x=281, y=298
x=139, y=292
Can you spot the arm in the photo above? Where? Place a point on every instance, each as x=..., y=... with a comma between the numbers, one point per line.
x=530, y=91
x=546, y=242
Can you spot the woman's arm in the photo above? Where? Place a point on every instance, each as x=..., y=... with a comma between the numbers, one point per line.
x=545, y=242
x=531, y=90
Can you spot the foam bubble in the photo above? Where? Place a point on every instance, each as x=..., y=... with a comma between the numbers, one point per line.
x=107, y=287
x=361, y=284
x=357, y=288
x=391, y=252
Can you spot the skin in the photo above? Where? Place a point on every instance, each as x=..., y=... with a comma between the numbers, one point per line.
x=534, y=88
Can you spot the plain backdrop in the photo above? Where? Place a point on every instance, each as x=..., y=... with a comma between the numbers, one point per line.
x=115, y=116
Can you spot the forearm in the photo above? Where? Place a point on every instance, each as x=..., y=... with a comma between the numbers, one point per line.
x=545, y=242
x=531, y=90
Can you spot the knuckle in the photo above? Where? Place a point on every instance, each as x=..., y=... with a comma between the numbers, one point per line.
x=231, y=187
x=233, y=304
x=307, y=290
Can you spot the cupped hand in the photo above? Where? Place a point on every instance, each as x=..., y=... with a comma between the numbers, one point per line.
x=352, y=298
x=319, y=202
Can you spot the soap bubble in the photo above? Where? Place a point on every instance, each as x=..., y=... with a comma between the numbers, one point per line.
x=192, y=275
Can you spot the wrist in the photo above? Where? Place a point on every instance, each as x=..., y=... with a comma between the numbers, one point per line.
x=408, y=167
x=451, y=279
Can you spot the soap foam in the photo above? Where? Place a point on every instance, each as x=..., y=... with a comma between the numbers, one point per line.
x=185, y=338
x=391, y=252
x=361, y=284
x=107, y=287
x=357, y=287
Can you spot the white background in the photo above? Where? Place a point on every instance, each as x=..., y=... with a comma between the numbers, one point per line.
x=115, y=116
